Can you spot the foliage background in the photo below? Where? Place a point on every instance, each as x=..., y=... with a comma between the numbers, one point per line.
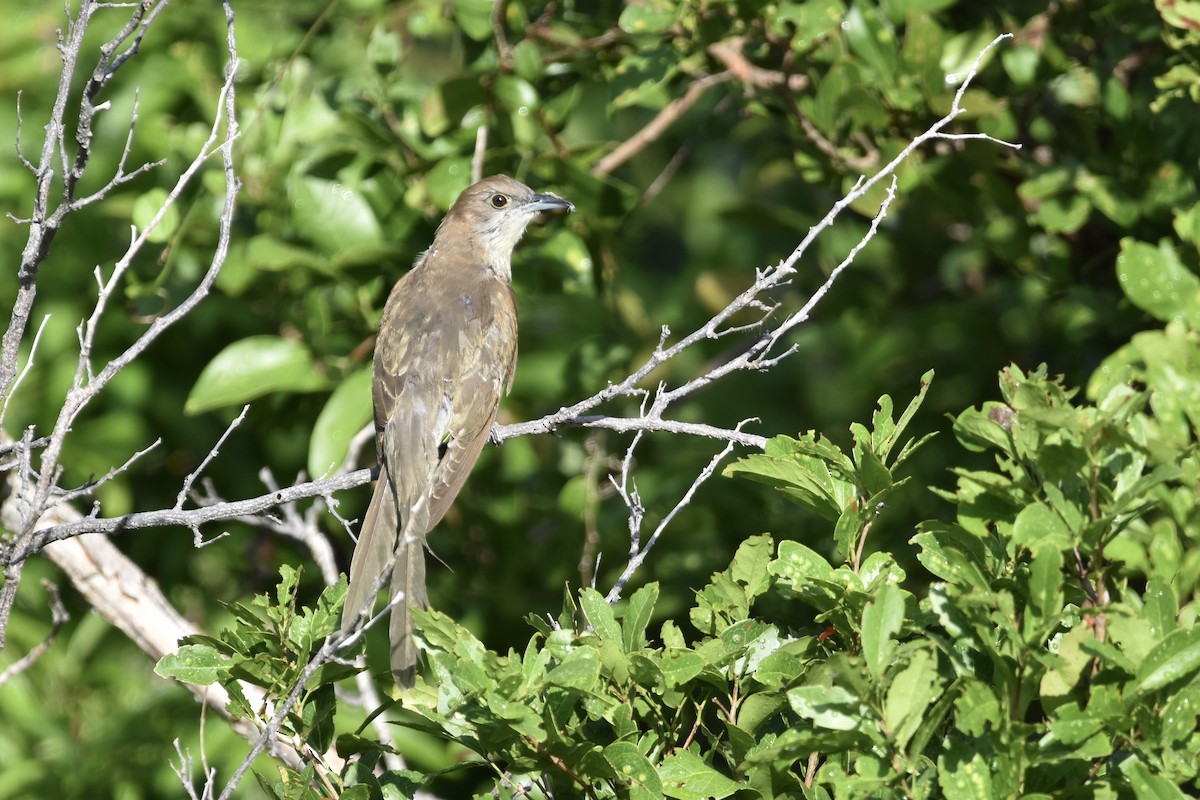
x=359, y=119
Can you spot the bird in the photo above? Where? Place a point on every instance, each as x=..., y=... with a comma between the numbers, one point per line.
x=445, y=354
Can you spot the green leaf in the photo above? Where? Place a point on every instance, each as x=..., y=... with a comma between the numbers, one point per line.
x=963, y=774
x=1071, y=726
x=334, y=216
x=1157, y=282
x=579, y=269
x=637, y=616
x=1059, y=683
x=641, y=77
x=1064, y=214
x=910, y=694
x=1148, y=786
x=812, y=19
x=720, y=603
x=447, y=180
x=873, y=42
x=1160, y=607
x=802, y=570
x=954, y=555
x=644, y=669
x=346, y=412
x=671, y=636
x=976, y=708
x=516, y=95
x=1110, y=197
x=474, y=17
x=811, y=470
x=267, y=253
x=250, y=368
x=686, y=776
x=527, y=60
x=1187, y=225
x=985, y=428
x=1184, y=14
x=1174, y=658
x=1020, y=63
x=650, y=16
x=1046, y=584
x=680, y=666
x=1037, y=527
x=830, y=707
x=1179, y=715
x=1078, y=86
x=750, y=563
x=885, y=447
x=634, y=771
x=198, y=665
x=960, y=51
x=360, y=791
x=579, y=670
x=599, y=614
x=881, y=621
x=317, y=718
x=781, y=667
x=871, y=474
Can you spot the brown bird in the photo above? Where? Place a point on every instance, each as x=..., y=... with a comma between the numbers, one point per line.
x=446, y=352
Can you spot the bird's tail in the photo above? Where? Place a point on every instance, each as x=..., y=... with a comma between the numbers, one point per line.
x=408, y=576
x=380, y=545
x=372, y=556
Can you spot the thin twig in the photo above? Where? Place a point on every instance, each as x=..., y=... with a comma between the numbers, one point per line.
x=657, y=126
x=638, y=554
x=765, y=280
x=191, y=517
x=186, y=489
x=481, y=140
x=12, y=390
x=58, y=616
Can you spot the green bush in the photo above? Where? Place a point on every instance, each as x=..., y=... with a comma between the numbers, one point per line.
x=1048, y=648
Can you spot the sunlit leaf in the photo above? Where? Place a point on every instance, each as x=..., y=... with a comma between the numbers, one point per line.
x=250, y=368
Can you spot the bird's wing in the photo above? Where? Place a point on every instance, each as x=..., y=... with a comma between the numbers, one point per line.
x=488, y=356
x=408, y=458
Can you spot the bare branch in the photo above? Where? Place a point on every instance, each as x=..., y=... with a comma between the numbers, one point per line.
x=271, y=730
x=20, y=151
x=629, y=424
x=90, y=487
x=638, y=553
x=655, y=128
x=186, y=489
x=729, y=53
x=87, y=385
x=184, y=772
x=12, y=390
x=304, y=528
x=755, y=357
x=124, y=595
x=121, y=175
x=44, y=225
x=192, y=517
x=481, y=140
x=58, y=616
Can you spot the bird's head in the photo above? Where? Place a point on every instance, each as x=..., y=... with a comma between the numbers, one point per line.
x=492, y=215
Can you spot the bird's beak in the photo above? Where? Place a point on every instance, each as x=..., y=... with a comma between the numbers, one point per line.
x=549, y=202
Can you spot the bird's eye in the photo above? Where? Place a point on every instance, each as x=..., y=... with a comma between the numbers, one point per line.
x=499, y=200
